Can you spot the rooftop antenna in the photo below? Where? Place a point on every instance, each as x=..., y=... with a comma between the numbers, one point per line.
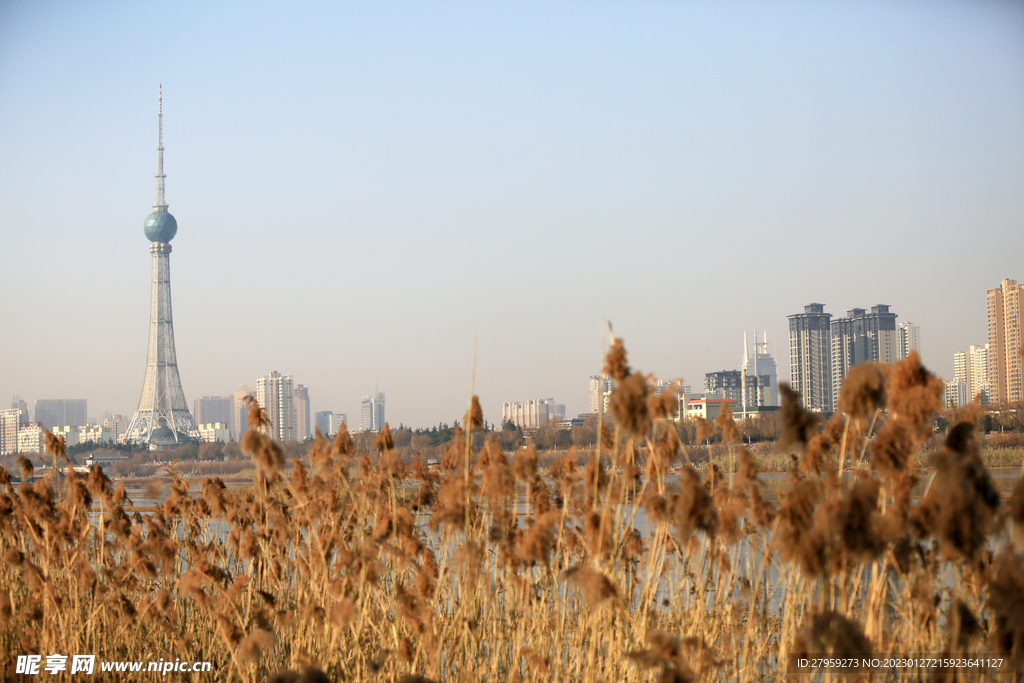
x=743, y=377
x=161, y=203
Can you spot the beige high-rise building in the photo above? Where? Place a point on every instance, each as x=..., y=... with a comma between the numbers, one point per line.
x=302, y=416
x=909, y=339
x=240, y=414
x=10, y=421
x=972, y=367
x=1004, y=342
x=600, y=390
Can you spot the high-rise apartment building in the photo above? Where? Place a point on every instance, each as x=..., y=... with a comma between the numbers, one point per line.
x=730, y=384
x=337, y=420
x=10, y=421
x=322, y=421
x=22, y=406
x=1004, y=342
x=372, y=413
x=979, y=381
x=212, y=410
x=957, y=395
x=276, y=394
x=240, y=413
x=302, y=416
x=971, y=367
x=62, y=412
x=860, y=337
x=810, y=357
x=909, y=339
x=600, y=389
x=118, y=424
x=725, y=383
x=329, y=423
x=761, y=364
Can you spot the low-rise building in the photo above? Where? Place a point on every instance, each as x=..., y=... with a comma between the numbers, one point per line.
x=96, y=434
x=103, y=459
x=215, y=431
x=708, y=408
x=72, y=435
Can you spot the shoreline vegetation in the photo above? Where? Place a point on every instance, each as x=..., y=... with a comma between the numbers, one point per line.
x=1008, y=459
x=768, y=458
x=636, y=561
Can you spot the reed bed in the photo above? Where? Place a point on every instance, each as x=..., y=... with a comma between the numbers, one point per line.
x=363, y=567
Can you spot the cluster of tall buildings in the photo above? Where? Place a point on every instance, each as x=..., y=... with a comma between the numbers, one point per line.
x=64, y=417
x=754, y=385
x=822, y=350
x=992, y=373
x=287, y=407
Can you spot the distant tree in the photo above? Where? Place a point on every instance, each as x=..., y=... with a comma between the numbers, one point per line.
x=402, y=437
x=232, y=451
x=510, y=439
x=421, y=442
x=687, y=430
x=586, y=433
x=549, y=436
x=211, y=451
x=90, y=446
x=293, y=450
x=189, y=451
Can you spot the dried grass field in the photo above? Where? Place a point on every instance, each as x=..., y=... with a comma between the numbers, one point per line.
x=364, y=567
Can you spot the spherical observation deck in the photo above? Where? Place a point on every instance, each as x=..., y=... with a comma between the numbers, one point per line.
x=160, y=226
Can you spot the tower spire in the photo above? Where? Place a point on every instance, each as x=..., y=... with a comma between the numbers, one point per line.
x=161, y=203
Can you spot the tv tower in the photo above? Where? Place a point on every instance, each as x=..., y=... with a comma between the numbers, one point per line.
x=163, y=418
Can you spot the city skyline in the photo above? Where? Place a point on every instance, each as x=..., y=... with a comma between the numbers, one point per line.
x=511, y=174
x=847, y=341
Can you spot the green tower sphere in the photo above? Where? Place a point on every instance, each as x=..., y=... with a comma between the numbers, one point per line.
x=160, y=226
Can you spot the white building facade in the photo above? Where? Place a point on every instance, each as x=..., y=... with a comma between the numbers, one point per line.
x=275, y=394
x=909, y=339
x=211, y=432
x=533, y=413
x=372, y=413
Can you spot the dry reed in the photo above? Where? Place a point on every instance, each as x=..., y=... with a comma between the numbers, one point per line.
x=365, y=566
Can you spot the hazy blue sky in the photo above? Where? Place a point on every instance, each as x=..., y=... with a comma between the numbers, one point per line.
x=362, y=188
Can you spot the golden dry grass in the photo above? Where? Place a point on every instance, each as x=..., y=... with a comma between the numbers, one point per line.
x=369, y=568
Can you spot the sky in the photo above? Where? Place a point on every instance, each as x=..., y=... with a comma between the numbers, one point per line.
x=367, y=191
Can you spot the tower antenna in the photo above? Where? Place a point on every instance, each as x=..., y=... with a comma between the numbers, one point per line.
x=161, y=203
